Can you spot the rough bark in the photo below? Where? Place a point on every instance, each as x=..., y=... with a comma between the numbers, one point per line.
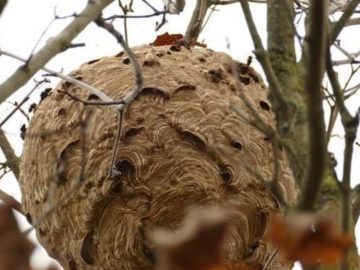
x=291, y=116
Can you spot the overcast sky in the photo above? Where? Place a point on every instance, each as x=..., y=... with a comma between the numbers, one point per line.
x=23, y=22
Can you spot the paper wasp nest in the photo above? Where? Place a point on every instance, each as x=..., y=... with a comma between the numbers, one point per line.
x=185, y=141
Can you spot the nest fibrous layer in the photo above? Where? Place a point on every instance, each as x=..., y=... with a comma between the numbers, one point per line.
x=186, y=140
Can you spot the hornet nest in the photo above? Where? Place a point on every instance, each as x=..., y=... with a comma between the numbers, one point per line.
x=185, y=141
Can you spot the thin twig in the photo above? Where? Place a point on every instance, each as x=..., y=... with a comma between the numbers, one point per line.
x=22, y=102
x=54, y=46
x=157, y=13
x=138, y=81
x=125, y=9
x=69, y=79
x=262, y=55
x=12, y=160
x=91, y=103
x=20, y=109
x=56, y=17
x=351, y=125
x=136, y=66
x=116, y=144
x=150, y=6
x=340, y=24
x=270, y=260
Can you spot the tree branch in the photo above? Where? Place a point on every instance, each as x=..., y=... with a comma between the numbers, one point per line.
x=315, y=62
x=67, y=78
x=195, y=25
x=18, y=106
x=2, y=5
x=53, y=47
x=341, y=23
x=139, y=80
x=261, y=54
x=350, y=125
x=281, y=45
x=11, y=159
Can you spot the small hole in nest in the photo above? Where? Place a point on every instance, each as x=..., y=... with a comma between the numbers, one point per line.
x=119, y=54
x=126, y=61
x=66, y=84
x=72, y=264
x=122, y=167
x=162, y=115
x=61, y=112
x=226, y=174
x=264, y=105
x=86, y=250
x=132, y=132
x=244, y=80
x=175, y=48
x=79, y=78
x=92, y=97
x=42, y=232
x=250, y=249
x=28, y=218
x=153, y=91
x=150, y=255
x=160, y=54
x=243, y=69
x=139, y=120
x=93, y=61
x=215, y=75
x=202, y=60
x=168, y=52
x=193, y=138
x=236, y=145
x=267, y=139
x=185, y=87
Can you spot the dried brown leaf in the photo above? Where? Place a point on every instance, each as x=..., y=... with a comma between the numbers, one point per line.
x=15, y=248
x=309, y=239
x=167, y=39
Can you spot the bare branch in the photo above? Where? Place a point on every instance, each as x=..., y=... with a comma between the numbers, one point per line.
x=353, y=21
x=157, y=13
x=53, y=47
x=150, y=6
x=22, y=102
x=351, y=125
x=340, y=24
x=139, y=80
x=315, y=62
x=261, y=54
x=69, y=79
x=11, y=159
x=195, y=25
